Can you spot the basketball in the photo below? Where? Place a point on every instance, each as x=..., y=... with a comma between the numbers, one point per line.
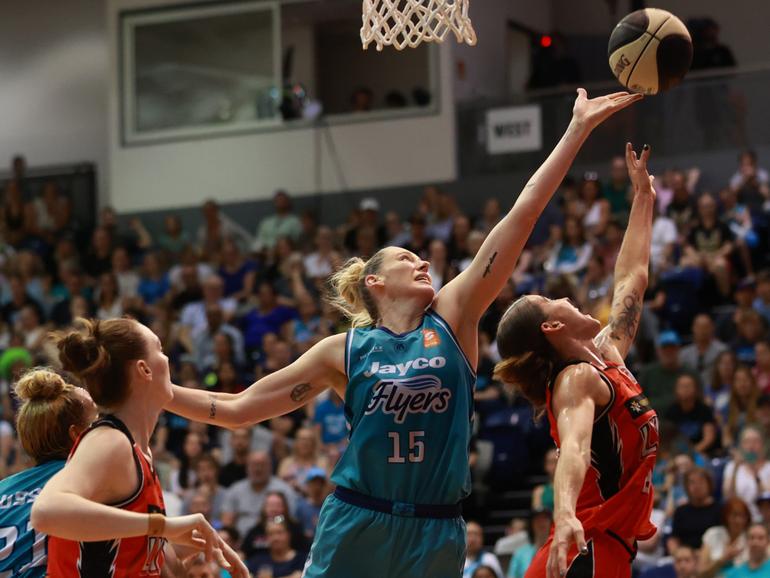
x=650, y=51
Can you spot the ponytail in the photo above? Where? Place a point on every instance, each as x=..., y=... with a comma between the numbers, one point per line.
x=348, y=291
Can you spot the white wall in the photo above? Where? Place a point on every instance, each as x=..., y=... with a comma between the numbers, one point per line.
x=53, y=79
x=252, y=166
x=485, y=64
x=744, y=23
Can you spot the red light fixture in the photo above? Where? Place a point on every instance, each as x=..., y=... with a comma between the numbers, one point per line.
x=546, y=41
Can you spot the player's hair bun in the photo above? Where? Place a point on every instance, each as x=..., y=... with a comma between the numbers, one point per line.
x=40, y=384
x=81, y=351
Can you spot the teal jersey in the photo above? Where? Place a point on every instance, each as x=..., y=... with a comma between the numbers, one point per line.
x=409, y=407
x=23, y=551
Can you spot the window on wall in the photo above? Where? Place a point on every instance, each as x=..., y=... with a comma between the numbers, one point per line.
x=198, y=71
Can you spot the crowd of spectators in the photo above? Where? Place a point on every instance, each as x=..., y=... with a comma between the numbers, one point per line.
x=232, y=305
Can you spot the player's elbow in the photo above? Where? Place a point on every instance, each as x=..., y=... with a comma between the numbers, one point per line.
x=42, y=515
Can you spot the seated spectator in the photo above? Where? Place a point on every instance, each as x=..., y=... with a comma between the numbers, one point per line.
x=618, y=189
x=309, y=507
x=681, y=209
x=174, y=239
x=277, y=356
x=659, y=377
x=685, y=565
x=596, y=209
x=572, y=252
x=440, y=270
x=761, y=370
x=397, y=234
x=761, y=302
x=542, y=495
x=193, y=315
x=238, y=273
x=491, y=214
x=595, y=290
x=476, y=555
x=207, y=479
x=304, y=457
x=282, y=560
x=742, y=407
x=244, y=499
x=725, y=546
x=664, y=237
x=693, y=417
x=700, y=356
x=758, y=564
x=751, y=330
x=73, y=285
x=109, y=304
x=256, y=540
x=751, y=182
x=128, y=279
x=153, y=283
x=268, y=317
x=207, y=352
x=738, y=219
x=325, y=259
x=98, y=259
x=240, y=446
x=17, y=299
x=722, y=379
x=457, y=247
x=747, y=474
x=330, y=423
x=539, y=528
x=419, y=239
x=183, y=479
x=217, y=227
x=701, y=512
x=710, y=244
x=283, y=223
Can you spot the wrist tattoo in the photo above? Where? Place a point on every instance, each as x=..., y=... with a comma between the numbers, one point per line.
x=300, y=392
x=488, y=270
x=212, y=406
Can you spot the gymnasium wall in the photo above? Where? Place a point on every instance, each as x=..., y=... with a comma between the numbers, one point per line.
x=251, y=166
x=53, y=73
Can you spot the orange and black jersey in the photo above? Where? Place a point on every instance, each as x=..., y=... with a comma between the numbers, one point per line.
x=121, y=558
x=617, y=493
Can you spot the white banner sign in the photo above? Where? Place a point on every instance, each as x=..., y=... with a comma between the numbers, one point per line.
x=514, y=130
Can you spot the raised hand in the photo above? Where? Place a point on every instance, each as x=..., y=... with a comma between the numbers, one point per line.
x=637, y=170
x=591, y=112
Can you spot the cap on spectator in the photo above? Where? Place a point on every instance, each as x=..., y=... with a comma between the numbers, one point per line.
x=748, y=283
x=315, y=474
x=12, y=357
x=764, y=400
x=369, y=204
x=668, y=337
x=763, y=497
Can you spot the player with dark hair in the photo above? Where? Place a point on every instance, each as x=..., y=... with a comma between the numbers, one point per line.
x=602, y=423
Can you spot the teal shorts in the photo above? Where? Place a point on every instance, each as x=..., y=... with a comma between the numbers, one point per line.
x=354, y=542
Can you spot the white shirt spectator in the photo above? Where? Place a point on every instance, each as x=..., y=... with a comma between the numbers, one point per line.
x=717, y=539
x=747, y=484
x=194, y=314
x=246, y=504
x=318, y=266
x=486, y=559
x=663, y=234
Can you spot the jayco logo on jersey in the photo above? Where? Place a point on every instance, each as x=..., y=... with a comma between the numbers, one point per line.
x=401, y=369
x=401, y=397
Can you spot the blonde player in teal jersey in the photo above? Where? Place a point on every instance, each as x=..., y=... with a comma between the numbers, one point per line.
x=406, y=373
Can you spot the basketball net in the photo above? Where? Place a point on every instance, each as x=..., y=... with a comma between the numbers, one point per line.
x=407, y=23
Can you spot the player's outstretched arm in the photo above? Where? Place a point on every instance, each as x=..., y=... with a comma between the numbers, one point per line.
x=70, y=504
x=631, y=268
x=279, y=393
x=577, y=393
x=471, y=293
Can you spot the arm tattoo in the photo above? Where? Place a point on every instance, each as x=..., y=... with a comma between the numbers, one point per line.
x=488, y=270
x=299, y=393
x=624, y=325
x=212, y=406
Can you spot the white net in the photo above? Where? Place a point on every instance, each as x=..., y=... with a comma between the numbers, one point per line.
x=407, y=23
